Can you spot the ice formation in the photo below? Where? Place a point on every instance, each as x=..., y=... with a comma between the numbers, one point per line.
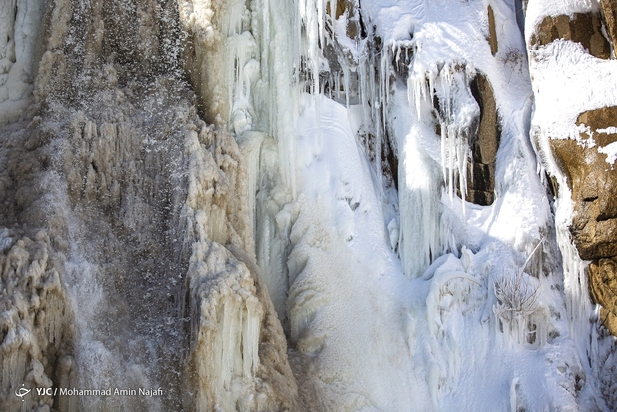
x=277, y=205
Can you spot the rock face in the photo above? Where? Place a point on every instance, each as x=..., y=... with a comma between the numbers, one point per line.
x=492, y=33
x=585, y=29
x=481, y=174
x=593, y=182
x=139, y=202
x=591, y=179
x=609, y=8
x=347, y=8
x=603, y=285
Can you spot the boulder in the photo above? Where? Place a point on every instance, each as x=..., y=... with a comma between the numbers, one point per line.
x=583, y=28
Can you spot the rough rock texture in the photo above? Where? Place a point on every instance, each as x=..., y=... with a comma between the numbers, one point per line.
x=482, y=135
x=609, y=9
x=481, y=174
x=347, y=8
x=603, y=285
x=492, y=33
x=594, y=224
x=585, y=29
x=129, y=184
x=593, y=182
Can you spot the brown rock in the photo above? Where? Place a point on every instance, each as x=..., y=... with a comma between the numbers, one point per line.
x=585, y=29
x=600, y=119
x=492, y=33
x=609, y=8
x=481, y=173
x=593, y=183
x=603, y=288
x=349, y=7
x=609, y=320
x=486, y=144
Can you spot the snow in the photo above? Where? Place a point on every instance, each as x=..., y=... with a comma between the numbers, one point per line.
x=19, y=27
x=339, y=240
x=610, y=151
x=537, y=10
x=400, y=302
x=465, y=315
x=396, y=299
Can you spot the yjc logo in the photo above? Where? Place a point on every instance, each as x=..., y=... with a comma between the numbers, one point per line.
x=21, y=392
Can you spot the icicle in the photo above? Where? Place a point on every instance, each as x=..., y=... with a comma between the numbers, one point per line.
x=578, y=304
x=251, y=337
x=250, y=146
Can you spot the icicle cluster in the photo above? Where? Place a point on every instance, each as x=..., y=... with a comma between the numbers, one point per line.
x=229, y=360
x=456, y=112
x=34, y=318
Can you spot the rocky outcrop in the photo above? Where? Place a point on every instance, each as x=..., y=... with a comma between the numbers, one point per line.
x=348, y=9
x=603, y=287
x=114, y=162
x=593, y=183
x=585, y=29
x=609, y=9
x=492, y=33
x=592, y=180
x=484, y=145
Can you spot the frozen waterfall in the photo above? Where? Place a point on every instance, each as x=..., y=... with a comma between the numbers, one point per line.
x=290, y=205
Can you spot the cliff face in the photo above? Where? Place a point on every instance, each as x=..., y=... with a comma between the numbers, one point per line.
x=142, y=205
x=297, y=205
x=583, y=153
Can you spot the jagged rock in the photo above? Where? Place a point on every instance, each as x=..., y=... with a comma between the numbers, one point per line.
x=599, y=119
x=603, y=287
x=609, y=8
x=481, y=173
x=585, y=29
x=349, y=7
x=609, y=320
x=402, y=58
x=593, y=183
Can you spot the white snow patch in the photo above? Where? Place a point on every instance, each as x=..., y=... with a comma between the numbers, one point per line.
x=610, y=151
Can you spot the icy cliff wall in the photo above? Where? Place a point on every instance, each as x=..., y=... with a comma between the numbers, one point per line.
x=146, y=232
x=576, y=140
x=571, y=51
x=187, y=194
